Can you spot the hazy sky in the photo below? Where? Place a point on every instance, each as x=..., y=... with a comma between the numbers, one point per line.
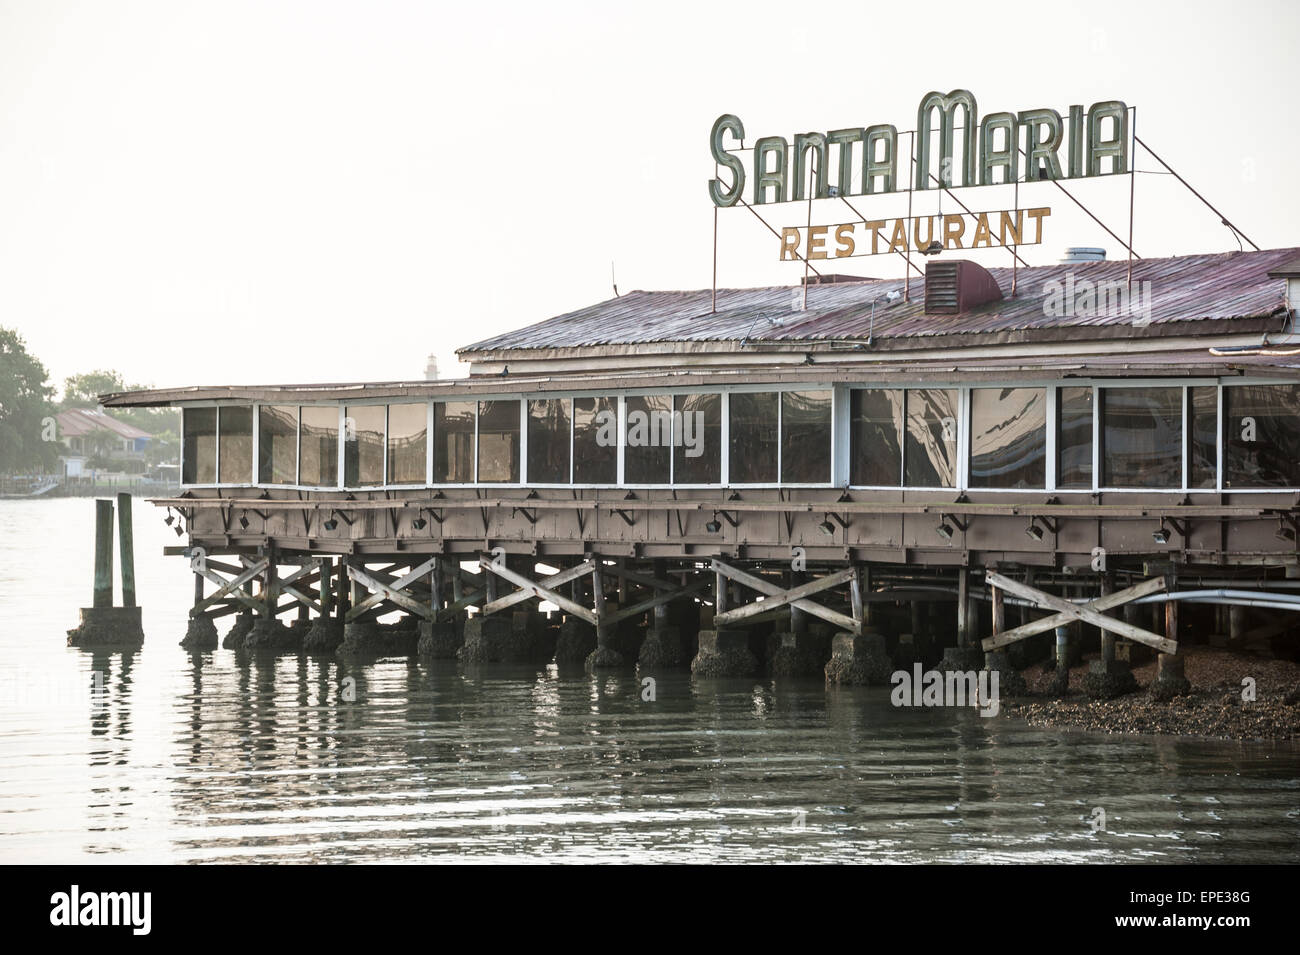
x=229, y=192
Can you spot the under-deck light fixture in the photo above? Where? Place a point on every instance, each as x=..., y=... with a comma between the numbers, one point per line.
x=419, y=523
x=1161, y=536
x=243, y=521
x=714, y=525
x=946, y=524
x=827, y=528
x=170, y=518
x=1033, y=530
x=331, y=524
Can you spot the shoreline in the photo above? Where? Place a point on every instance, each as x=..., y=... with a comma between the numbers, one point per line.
x=1214, y=709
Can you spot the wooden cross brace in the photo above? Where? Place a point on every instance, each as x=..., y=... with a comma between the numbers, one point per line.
x=381, y=591
x=796, y=597
x=307, y=574
x=531, y=588
x=1067, y=612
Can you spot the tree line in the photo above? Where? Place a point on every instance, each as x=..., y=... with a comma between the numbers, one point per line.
x=29, y=440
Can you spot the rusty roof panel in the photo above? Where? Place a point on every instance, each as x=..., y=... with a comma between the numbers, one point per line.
x=1223, y=286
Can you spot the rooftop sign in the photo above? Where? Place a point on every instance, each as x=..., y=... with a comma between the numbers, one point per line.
x=1094, y=142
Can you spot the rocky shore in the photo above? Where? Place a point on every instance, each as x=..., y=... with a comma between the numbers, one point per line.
x=1214, y=708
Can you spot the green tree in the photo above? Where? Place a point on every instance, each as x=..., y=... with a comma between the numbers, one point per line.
x=83, y=391
x=27, y=439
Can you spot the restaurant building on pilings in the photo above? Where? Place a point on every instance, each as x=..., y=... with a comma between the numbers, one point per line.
x=892, y=465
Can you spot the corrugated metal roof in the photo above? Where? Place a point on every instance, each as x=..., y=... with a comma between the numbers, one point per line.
x=1224, y=286
x=80, y=421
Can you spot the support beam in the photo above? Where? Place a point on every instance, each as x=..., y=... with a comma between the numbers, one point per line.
x=768, y=589
x=388, y=589
x=545, y=593
x=1068, y=613
x=383, y=591
x=550, y=583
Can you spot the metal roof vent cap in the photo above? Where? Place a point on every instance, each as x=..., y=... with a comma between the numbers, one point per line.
x=1083, y=253
x=956, y=285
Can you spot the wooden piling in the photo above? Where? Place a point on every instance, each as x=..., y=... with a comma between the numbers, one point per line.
x=126, y=544
x=103, y=595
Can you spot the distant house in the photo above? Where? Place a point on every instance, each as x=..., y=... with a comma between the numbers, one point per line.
x=76, y=428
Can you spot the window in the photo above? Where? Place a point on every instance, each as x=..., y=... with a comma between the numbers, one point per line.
x=1202, y=436
x=453, y=448
x=1074, y=438
x=277, y=444
x=235, y=445
x=498, y=441
x=408, y=431
x=751, y=426
x=697, y=439
x=549, y=433
x=363, y=445
x=1261, y=436
x=595, y=440
x=199, y=446
x=1142, y=437
x=876, y=437
x=1008, y=437
x=318, y=446
x=930, y=443
x=805, y=437
x=648, y=438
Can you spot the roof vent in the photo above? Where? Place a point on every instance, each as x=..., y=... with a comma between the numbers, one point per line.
x=957, y=285
x=1083, y=253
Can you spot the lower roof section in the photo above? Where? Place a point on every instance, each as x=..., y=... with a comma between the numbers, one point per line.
x=1225, y=361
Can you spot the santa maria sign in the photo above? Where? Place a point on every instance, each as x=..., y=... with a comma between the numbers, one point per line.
x=863, y=160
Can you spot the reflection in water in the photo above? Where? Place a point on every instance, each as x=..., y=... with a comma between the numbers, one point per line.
x=216, y=757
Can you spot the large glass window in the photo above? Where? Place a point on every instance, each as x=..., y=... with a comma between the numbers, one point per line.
x=649, y=438
x=751, y=427
x=1261, y=436
x=277, y=444
x=548, y=441
x=318, y=449
x=595, y=440
x=498, y=441
x=1008, y=437
x=199, y=446
x=1142, y=437
x=876, y=437
x=1074, y=438
x=1202, y=436
x=453, y=437
x=697, y=439
x=235, y=437
x=805, y=437
x=930, y=444
x=363, y=445
x=408, y=427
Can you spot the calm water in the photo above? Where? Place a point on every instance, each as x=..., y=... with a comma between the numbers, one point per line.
x=204, y=759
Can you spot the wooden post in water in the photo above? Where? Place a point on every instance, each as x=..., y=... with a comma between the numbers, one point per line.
x=126, y=543
x=103, y=596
